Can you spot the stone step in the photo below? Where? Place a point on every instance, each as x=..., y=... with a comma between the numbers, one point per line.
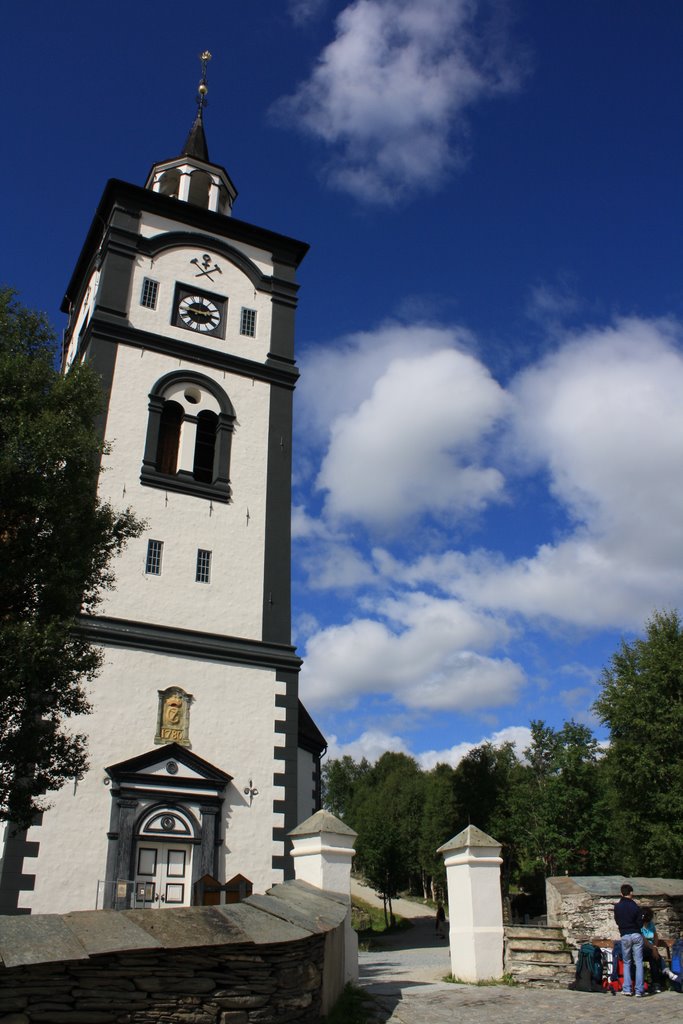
x=539, y=971
x=515, y=931
x=540, y=956
x=544, y=943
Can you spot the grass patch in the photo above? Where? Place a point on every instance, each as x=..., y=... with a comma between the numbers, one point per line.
x=353, y=1007
x=507, y=979
x=369, y=923
x=369, y=920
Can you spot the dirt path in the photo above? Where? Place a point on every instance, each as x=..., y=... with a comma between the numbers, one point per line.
x=413, y=955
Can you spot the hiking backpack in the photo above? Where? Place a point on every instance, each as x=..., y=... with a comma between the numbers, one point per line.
x=589, y=969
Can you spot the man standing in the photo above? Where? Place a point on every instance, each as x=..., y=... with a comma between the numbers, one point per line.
x=629, y=918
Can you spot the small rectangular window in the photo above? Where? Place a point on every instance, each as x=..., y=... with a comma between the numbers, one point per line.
x=153, y=564
x=203, y=566
x=248, y=322
x=150, y=290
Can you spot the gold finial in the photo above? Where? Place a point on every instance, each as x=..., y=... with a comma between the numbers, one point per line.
x=203, y=88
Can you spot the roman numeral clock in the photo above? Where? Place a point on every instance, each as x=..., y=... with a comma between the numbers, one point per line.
x=199, y=311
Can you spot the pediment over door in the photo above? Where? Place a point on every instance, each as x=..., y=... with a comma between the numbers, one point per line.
x=171, y=767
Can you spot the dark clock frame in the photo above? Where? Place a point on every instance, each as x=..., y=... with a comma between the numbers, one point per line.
x=220, y=301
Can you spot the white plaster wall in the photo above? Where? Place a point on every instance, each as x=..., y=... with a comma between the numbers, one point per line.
x=231, y=726
x=151, y=224
x=175, y=266
x=83, y=315
x=232, y=603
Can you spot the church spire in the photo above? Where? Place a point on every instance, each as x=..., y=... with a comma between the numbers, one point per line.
x=191, y=177
x=195, y=144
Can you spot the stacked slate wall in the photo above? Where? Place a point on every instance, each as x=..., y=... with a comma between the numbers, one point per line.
x=224, y=985
x=260, y=963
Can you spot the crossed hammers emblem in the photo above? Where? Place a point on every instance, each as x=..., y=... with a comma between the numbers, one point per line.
x=205, y=269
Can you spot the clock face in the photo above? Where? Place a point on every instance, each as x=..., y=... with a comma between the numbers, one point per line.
x=198, y=313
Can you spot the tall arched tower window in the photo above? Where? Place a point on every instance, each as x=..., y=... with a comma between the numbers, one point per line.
x=189, y=434
x=169, y=437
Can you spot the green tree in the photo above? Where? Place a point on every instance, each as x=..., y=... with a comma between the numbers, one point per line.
x=386, y=813
x=556, y=804
x=438, y=825
x=642, y=705
x=341, y=778
x=483, y=782
x=57, y=542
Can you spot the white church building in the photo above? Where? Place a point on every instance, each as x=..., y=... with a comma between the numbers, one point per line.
x=202, y=758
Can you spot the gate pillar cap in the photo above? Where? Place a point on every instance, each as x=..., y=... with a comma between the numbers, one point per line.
x=322, y=822
x=470, y=836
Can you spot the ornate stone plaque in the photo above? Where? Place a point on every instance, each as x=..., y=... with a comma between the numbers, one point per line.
x=173, y=719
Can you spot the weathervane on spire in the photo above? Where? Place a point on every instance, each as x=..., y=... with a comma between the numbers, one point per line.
x=203, y=88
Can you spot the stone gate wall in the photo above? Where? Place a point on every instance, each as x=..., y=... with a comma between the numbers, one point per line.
x=583, y=905
x=266, y=961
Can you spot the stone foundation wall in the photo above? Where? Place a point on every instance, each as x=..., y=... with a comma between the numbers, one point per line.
x=266, y=961
x=585, y=916
x=229, y=985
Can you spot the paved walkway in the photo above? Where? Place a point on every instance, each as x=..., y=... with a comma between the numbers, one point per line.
x=403, y=976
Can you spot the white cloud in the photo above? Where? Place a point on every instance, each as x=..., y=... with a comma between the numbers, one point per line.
x=371, y=745
x=551, y=304
x=430, y=657
x=305, y=10
x=599, y=422
x=305, y=526
x=337, y=378
x=413, y=445
x=336, y=565
x=519, y=735
x=389, y=94
x=603, y=417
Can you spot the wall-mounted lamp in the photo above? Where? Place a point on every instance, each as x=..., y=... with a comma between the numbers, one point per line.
x=250, y=791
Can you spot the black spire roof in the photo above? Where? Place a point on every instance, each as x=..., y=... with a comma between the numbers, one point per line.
x=195, y=144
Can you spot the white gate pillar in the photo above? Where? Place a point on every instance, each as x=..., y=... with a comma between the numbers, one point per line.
x=475, y=905
x=322, y=848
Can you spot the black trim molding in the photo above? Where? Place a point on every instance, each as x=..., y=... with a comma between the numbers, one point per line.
x=13, y=879
x=189, y=643
x=103, y=329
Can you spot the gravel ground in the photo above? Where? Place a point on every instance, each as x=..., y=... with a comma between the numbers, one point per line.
x=403, y=975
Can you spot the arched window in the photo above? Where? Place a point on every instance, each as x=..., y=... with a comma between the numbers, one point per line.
x=200, y=183
x=189, y=432
x=169, y=437
x=205, y=446
x=170, y=183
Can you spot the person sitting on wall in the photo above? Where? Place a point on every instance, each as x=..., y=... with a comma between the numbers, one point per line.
x=651, y=953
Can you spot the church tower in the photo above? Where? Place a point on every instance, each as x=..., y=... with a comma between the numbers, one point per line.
x=201, y=757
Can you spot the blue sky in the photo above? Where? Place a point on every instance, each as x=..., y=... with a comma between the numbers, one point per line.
x=488, y=487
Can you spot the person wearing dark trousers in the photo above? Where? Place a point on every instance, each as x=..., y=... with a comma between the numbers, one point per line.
x=651, y=952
